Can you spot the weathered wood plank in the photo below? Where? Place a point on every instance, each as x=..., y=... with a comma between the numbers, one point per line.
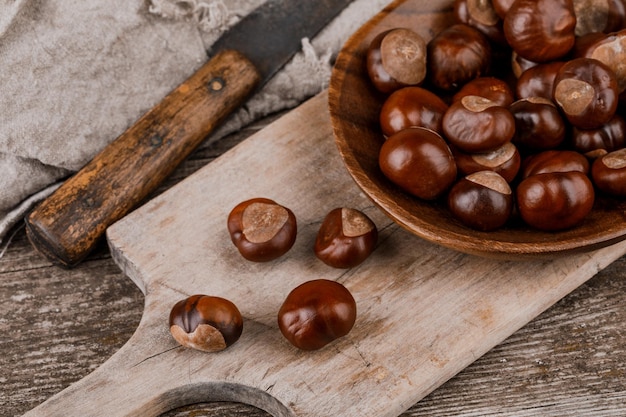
x=570, y=358
x=440, y=311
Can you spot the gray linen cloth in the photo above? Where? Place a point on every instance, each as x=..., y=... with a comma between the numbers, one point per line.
x=74, y=74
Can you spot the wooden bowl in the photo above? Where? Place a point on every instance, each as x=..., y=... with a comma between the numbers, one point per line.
x=354, y=107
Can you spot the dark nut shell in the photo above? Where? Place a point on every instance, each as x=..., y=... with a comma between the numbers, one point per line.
x=586, y=91
x=481, y=15
x=556, y=200
x=491, y=88
x=261, y=229
x=316, y=313
x=609, y=173
x=538, y=80
x=609, y=137
x=505, y=160
x=346, y=238
x=396, y=58
x=476, y=124
x=538, y=124
x=482, y=201
x=205, y=323
x=457, y=55
x=419, y=161
x=540, y=30
x=554, y=161
x=411, y=107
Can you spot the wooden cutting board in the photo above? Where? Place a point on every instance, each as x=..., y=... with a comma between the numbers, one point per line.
x=424, y=312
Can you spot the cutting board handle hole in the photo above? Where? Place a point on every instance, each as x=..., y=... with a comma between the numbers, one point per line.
x=217, y=392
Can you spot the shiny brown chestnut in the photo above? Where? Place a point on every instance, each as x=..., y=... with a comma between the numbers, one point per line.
x=205, y=323
x=316, y=313
x=586, y=91
x=609, y=173
x=609, y=137
x=538, y=80
x=346, y=238
x=491, y=88
x=610, y=49
x=396, y=58
x=261, y=229
x=476, y=124
x=505, y=160
x=411, y=107
x=562, y=160
x=456, y=55
x=555, y=200
x=419, y=161
x=538, y=124
x=482, y=201
x=540, y=30
x=481, y=15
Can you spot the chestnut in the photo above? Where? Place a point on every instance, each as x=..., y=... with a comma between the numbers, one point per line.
x=538, y=124
x=538, y=80
x=419, y=161
x=609, y=137
x=476, y=124
x=554, y=160
x=610, y=49
x=540, y=30
x=261, y=229
x=593, y=16
x=205, y=323
x=396, y=58
x=586, y=91
x=411, y=107
x=482, y=200
x=456, y=55
x=505, y=160
x=346, y=238
x=481, y=15
x=316, y=313
x=555, y=200
x=609, y=173
x=491, y=88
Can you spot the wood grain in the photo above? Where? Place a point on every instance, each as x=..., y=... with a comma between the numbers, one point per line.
x=569, y=361
x=425, y=313
x=66, y=226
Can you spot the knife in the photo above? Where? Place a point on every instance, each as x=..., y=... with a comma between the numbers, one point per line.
x=66, y=226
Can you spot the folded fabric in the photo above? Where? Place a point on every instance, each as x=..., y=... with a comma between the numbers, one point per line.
x=75, y=75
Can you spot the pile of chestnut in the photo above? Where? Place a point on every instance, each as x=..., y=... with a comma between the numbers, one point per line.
x=513, y=111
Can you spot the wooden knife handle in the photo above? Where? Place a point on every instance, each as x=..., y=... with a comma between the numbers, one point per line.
x=67, y=225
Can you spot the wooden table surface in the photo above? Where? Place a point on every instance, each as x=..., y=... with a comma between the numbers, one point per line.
x=59, y=325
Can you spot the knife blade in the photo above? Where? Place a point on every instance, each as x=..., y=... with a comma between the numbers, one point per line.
x=67, y=225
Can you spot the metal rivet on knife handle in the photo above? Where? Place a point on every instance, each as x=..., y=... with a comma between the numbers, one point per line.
x=66, y=226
